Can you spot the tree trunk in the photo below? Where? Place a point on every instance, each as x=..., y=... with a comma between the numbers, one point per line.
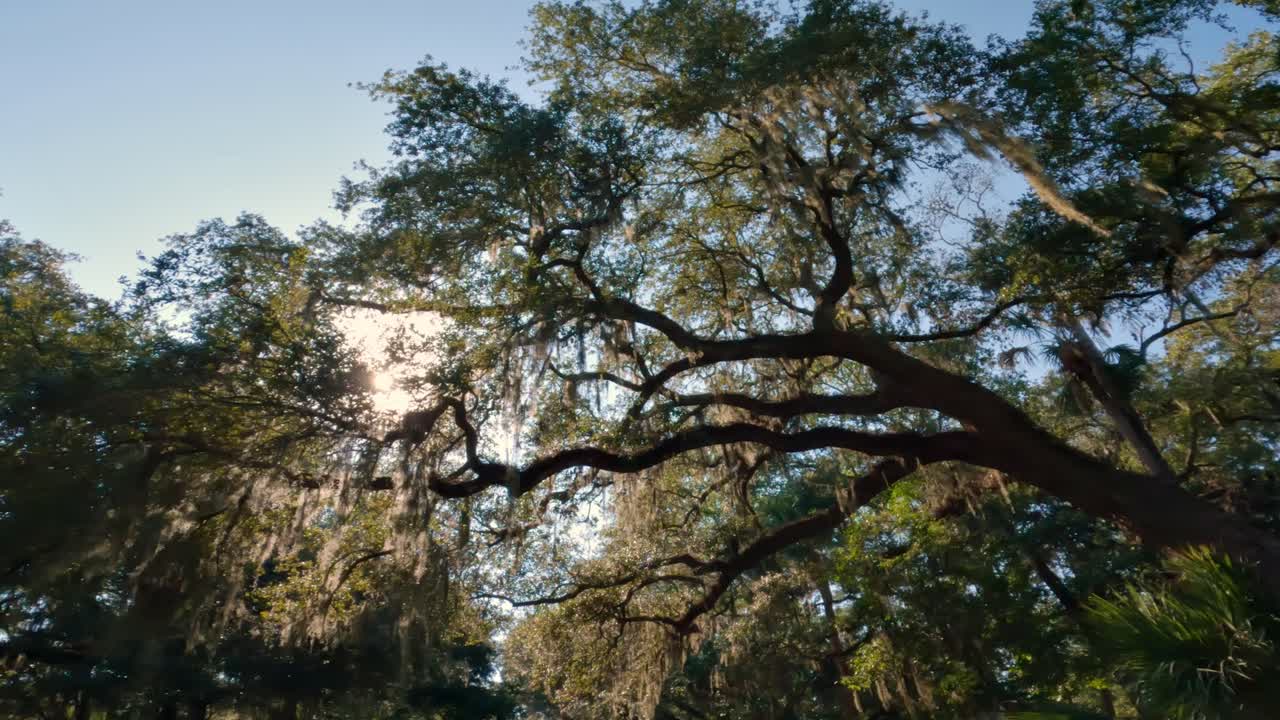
x=1055, y=584
x=848, y=698
x=1070, y=604
x=1161, y=514
x=1164, y=516
x=1126, y=419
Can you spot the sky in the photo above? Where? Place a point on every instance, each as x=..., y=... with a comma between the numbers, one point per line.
x=123, y=122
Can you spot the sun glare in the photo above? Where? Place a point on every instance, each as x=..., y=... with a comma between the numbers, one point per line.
x=388, y=395
x=367, y=332
x=383, y=382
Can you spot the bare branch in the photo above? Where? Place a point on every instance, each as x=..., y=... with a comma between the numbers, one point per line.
x=861, y=490
x=1170, y=329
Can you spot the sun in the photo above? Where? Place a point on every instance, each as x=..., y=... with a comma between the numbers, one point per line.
x=366, y=333
x=388, y=394
x=383, y=382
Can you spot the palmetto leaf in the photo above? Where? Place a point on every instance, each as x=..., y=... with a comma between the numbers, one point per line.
x=1009, y=358
x=1190, y=647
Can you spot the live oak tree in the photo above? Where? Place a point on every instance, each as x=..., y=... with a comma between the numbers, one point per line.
x=690, y=313
x=707, y=213
x=695, y=270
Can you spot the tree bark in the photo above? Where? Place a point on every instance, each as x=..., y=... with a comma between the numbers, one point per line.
x=997, y=435
x=1071, y=605
x=1161, y=514
x=848, y=698
x=1126, y=419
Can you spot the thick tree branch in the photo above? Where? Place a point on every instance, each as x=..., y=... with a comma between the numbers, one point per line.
x=804, y=404
x=957, y=445
x=841, y=279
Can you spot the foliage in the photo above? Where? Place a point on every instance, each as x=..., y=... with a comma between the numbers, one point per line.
x=1195, y=646
x=718, y=411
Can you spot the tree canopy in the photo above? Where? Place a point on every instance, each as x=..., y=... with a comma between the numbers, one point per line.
x=775, y=361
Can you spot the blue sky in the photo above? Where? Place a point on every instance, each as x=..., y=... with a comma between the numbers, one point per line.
x=126, y=121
